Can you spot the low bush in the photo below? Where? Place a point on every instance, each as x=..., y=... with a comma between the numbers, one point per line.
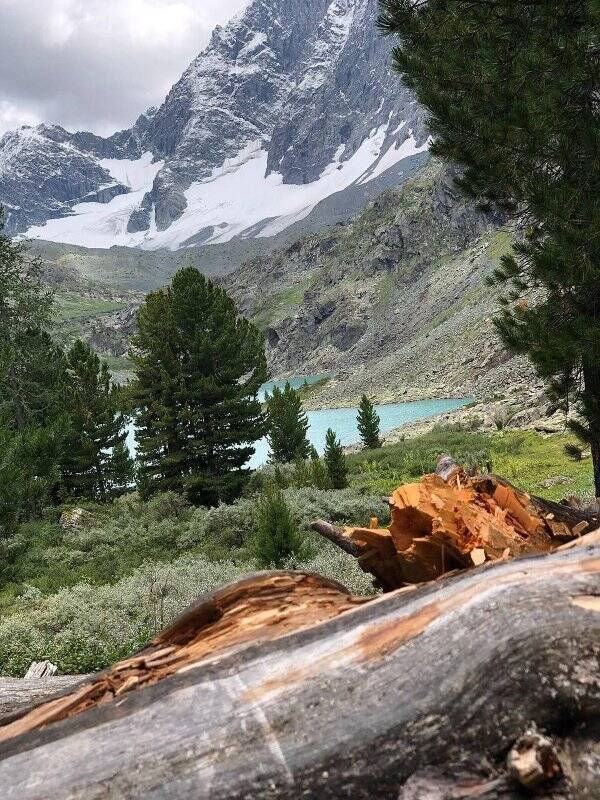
x=85, y=628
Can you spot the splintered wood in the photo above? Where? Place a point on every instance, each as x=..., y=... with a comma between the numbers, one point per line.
x=450, y=521
x=262, y=607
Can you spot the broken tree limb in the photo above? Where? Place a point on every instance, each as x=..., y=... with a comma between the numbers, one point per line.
x=351, y=706
x=263, y=606
x=337, y=536
x=450, y=521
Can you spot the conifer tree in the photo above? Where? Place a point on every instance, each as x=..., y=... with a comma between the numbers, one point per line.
x=277, y=537
x=32, y=384
x=311, y=472
x=199, y=366
x=513, y=93
x=121, y=472
x=335, y=461
x=96, y=464
x=287, y=426
x=32, y=370
x=368, y=424
x=29, y=471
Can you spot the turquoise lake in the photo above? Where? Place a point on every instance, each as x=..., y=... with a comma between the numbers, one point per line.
x=343, y=420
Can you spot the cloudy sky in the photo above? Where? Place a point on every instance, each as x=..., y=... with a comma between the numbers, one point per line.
x=97, y=64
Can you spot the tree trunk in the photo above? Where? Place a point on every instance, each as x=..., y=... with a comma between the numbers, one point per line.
x=591, y=376
x=349, y=701
x=17, y=400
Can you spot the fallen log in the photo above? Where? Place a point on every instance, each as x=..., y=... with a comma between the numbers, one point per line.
x=450, y=520
x=328, y=697
x=17, y=693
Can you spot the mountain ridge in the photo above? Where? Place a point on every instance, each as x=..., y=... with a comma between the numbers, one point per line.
x=290, y=103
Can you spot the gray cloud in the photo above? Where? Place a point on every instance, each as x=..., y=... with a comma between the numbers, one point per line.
x=97, y=64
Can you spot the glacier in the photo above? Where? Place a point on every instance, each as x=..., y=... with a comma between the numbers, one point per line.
x=236, y=198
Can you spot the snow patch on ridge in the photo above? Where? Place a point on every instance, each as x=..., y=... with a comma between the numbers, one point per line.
x=136, y=175
x=237, y=198
x=103, y=225
x=395, y=153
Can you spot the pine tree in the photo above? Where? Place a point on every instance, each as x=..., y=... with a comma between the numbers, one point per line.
x=368, y=424
x=199, y=366
x=96, y=464
x=513, y=99
x=311, y=472
x=277, y=537
x=32, y=385
x=32, y=369
x=29, y=471
x=121, y=470
x=287, y=426
x=335, y=461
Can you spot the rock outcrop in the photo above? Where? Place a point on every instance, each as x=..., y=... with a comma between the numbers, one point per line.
x=394, y=299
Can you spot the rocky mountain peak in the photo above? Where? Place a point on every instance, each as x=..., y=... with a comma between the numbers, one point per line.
x=292, y=102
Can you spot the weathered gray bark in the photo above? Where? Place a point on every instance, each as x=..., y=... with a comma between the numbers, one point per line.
x=335, y=535
x=17, y=693
x=351, y=708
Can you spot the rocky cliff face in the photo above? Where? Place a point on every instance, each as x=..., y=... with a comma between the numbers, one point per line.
x=393, y=302
x=292, y=102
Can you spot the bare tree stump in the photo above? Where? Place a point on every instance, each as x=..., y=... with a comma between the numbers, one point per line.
x=451, y=520
x=349, y=707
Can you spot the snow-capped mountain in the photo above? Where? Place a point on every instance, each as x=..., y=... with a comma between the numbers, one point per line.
x=292, y=102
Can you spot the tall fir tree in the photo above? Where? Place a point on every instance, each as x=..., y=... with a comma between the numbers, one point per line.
x=32, y=369
x=335, y=461
x=368, y=424
x=288, y=426
x=199, y=366
x=96, y=464
x=513, y=93
x=29, y=472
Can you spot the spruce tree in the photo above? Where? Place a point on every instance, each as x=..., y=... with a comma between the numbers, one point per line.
x=513, y=93
x=335, y=461
x=96, y=464
x=199, y=366
x=29, y=472
x=368, y=424
x=121, y=469
x=277, y=537
x=287, y=426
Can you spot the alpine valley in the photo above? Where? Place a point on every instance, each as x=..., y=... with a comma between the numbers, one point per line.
x=290, y=162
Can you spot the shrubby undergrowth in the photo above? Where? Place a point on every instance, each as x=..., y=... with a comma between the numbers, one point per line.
x=87, y=596
x=85, y=628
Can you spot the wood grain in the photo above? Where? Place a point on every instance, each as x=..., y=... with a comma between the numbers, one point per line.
x=348, y=708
